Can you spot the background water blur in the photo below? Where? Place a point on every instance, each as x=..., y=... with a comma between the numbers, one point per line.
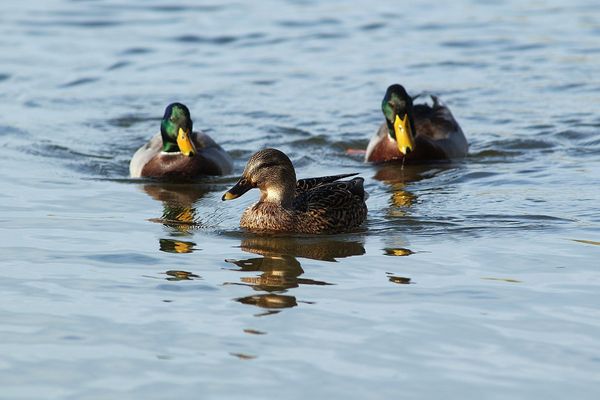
x=478, y=279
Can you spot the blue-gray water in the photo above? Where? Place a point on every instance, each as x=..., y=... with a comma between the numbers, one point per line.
x=474, y=280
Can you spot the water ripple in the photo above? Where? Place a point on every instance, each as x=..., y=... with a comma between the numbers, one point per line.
x=124, y=258
x=202, y=39
x=106, y=277
x=79, y=82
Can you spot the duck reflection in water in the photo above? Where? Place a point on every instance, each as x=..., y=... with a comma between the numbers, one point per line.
x=280, y=269
x=179, y=214
x=395, y=173
x=398, y=176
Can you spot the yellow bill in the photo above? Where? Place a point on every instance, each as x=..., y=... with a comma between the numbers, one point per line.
x=404, y=135
x=185, y=143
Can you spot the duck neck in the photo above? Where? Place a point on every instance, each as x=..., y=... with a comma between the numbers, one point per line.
x=169, y=147
x=281, y=194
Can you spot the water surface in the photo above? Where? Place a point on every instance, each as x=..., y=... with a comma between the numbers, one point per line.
x=475, y=279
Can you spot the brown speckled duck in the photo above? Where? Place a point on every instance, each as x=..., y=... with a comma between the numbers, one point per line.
x=179, y=153
x=315, y=205
x=415, y=132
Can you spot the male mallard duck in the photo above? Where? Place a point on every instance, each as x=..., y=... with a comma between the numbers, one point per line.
x=178, y=152
x=415, y=132
x=315, y=205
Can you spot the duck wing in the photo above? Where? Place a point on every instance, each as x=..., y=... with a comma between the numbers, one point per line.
x=332, y=207
x=438, y=134
x=434, y=121
x=304, y=185
x=331, y=195
x=213, y=158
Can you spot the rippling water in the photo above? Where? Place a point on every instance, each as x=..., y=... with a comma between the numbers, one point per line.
x=477, y=279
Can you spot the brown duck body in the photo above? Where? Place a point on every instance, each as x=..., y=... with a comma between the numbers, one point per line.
x=320, y=205
x=316, y=205
x=151, y=161
x=438, y=137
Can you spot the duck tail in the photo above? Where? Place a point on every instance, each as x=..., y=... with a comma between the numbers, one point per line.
x=333, y=178
x=356, y=186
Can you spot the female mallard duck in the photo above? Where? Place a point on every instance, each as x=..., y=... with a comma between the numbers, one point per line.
x=178, y=152
x=315, y=205
x=415, y=132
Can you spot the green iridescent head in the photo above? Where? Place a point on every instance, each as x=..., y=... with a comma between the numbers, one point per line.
x=397, y=107
x=176, y=129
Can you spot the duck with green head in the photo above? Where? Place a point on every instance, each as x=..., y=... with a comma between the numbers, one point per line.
x=179, y=152
x=415, y=132
x=314, y=205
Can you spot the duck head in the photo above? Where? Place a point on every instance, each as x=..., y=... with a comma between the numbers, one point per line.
x=397, y=107
x=176, y=129
x=271, y=171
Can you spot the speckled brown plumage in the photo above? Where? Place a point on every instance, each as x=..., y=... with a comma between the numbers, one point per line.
x=328, y=208
x=315, y=205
